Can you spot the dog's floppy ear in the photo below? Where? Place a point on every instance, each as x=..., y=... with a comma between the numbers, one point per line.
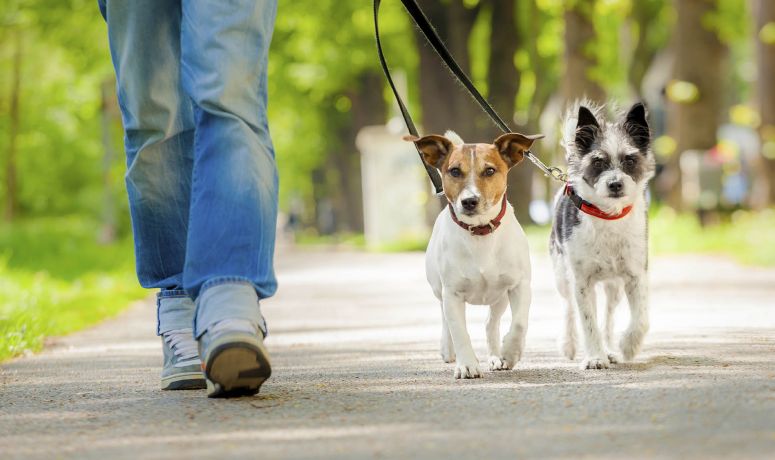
x=587, y=129
x=512, y=146
x=636, y=126
x=433, y=148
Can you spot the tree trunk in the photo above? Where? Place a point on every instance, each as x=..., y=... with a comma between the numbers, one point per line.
x=11, y=184
x=693, y=121
x=546, y=84
x=644, y=13
x=766, y=95
x=579, y=38
x=367, y=108
x=108, y=111
x=444, y=103
x=503, y=84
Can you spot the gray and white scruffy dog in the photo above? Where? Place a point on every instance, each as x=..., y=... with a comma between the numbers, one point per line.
x=600, y=230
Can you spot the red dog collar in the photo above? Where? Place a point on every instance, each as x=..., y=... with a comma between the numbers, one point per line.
x=481, y=230
x=588, y=208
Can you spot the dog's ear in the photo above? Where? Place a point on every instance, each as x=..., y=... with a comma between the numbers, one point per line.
x=512, y=146
x=587, y=130
x=636, y=126
x=434, y=148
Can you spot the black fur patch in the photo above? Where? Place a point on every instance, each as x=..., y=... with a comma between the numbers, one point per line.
x=633, y=165
x=566, y=217
x=587, y=131
x=592, y=172
x=637, y=128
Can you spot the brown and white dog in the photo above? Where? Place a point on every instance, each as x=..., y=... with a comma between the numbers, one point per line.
x=478, y=252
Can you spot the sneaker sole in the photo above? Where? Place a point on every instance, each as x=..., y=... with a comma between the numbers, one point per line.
x=184, y=381
x=236, y=369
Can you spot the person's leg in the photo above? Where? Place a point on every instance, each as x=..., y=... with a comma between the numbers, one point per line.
x=231, y=234
x=158, y=120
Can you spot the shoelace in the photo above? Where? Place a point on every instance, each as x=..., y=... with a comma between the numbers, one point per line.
x=182, y=343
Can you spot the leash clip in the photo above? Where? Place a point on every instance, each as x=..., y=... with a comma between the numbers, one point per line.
x=556, y=173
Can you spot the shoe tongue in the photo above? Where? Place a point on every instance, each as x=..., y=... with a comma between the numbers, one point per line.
x=234, y=325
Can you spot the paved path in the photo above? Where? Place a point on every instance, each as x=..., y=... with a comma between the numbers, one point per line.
x=357, y=375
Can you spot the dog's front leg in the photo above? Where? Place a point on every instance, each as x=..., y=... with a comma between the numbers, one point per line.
x=493, y=329
x=466, y=364
x=596, y=358
x=447, y=349
x=637, y=296
x=514, y=340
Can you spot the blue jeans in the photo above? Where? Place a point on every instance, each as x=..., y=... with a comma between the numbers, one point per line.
x=201, y=174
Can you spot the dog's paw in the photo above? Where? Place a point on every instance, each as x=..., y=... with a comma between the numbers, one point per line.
x=448, y=356
x=630, y=344
x=600, y=362
x=499, y=363
x=568, y=348
x=467, y=371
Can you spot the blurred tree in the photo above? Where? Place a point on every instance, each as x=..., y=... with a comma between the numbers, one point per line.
x=11, y=192
x=109, y=116
x=444, y=103
x=503, y=79
x=324, y=85
x=696, y=88
x=648, y=21
x=366, y=106
x=765, y=47
x=580, y=56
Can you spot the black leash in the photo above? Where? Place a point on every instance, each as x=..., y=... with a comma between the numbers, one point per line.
x=433, y=38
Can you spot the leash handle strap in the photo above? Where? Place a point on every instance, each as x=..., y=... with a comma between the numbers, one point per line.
x=437, y=44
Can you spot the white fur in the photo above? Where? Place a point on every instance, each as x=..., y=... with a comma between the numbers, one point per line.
x=611, y=252
x=492, y=270
x=454, y=137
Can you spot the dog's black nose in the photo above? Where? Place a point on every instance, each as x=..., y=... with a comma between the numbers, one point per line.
x=469, y=204
x=616, y=186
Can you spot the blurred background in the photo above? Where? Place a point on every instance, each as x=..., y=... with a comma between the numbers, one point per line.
x=705, y=68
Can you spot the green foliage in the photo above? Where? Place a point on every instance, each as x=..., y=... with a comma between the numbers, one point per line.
x=315, y=58
x=746, y=237
x=64, y=60
x=319, y=51
x=54, y=279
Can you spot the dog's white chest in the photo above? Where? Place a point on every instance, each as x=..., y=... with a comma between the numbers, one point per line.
x=612, y=247
x=479, y=269
x=481, y=284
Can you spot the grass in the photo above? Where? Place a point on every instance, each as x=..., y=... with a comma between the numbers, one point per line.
x=747, y=237
x=55, y=279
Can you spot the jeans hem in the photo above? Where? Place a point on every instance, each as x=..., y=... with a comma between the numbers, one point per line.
x=238, y=309
x=225, y=280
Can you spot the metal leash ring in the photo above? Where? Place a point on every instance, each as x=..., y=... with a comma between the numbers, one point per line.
x=556, y=173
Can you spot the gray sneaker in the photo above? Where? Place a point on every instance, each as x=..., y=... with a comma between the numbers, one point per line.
x=182, y=367
x=235, y=360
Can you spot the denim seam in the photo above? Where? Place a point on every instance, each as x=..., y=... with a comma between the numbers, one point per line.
x=158, y=314
x=172, y=294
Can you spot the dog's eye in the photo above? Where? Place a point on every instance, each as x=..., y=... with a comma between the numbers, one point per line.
x=489, y=172
x=598, y=164
x=629, y=162
x=455, y=172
